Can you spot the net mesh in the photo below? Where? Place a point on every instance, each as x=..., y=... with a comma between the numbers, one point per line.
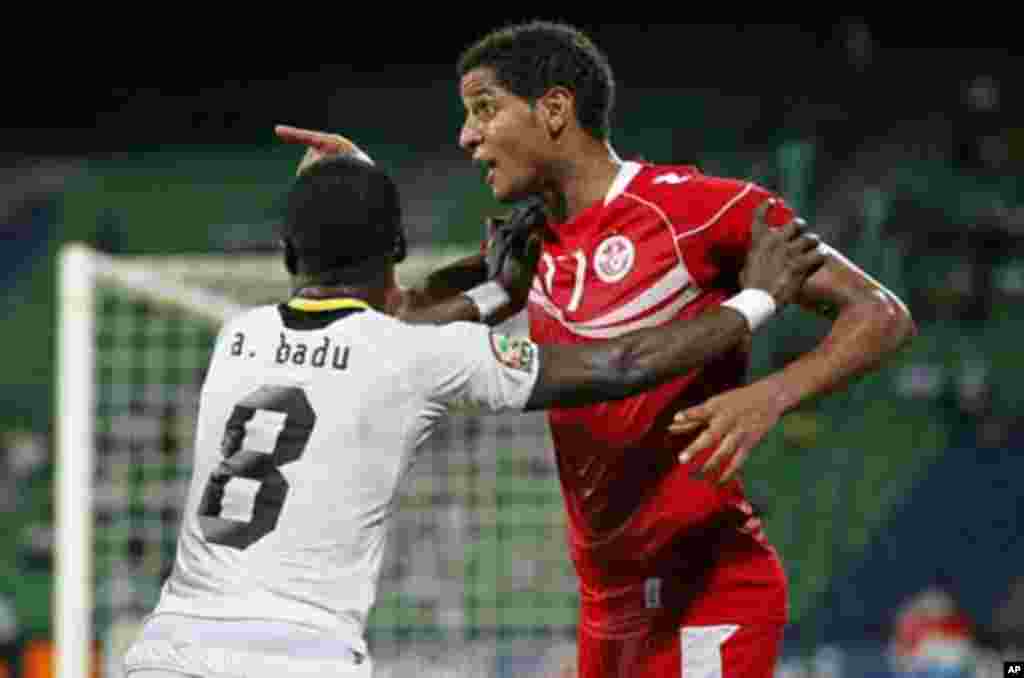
x=476, y=580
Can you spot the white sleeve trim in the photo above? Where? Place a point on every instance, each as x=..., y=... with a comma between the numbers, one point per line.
x=719, y=214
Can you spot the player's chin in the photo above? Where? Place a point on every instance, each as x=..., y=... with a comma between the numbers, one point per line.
x=500, y=193
x=509, y=192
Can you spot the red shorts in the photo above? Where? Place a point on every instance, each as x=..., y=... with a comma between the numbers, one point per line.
x=725, y=651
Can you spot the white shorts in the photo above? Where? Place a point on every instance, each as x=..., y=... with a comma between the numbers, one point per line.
x=176, y=646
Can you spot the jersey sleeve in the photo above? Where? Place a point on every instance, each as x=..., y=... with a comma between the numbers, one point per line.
x=469, y=366
x=731, y=231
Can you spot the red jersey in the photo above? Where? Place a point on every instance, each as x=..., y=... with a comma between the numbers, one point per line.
x=649, y=541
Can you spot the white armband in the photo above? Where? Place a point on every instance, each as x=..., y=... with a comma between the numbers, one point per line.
x=489, y=298
x=755, y=305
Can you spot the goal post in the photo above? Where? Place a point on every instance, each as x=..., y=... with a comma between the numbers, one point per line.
x=74, y=427
x=476, y=580
x=81, y=270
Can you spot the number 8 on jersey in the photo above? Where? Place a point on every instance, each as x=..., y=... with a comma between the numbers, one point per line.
x=268, y=429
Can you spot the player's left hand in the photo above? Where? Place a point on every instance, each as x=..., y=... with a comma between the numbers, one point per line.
x=319, y=145
x=513, y=247
x=736, y=421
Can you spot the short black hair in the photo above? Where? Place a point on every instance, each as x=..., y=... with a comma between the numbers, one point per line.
x=530, y=58
x=341, y=214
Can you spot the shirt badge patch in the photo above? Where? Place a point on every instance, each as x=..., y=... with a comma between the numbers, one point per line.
x=518, y=353
x=670, y=178
x=613, y=259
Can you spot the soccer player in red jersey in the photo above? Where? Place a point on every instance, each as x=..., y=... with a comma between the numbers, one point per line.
x=676, y=576
x=677, y=579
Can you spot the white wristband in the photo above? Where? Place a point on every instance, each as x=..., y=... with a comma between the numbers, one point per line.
x=489, y=298
x=755, y=305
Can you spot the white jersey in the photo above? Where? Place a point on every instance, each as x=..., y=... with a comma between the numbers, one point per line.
x=308, y=422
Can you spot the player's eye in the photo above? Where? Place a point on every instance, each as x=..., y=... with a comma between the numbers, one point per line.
x=484, y=109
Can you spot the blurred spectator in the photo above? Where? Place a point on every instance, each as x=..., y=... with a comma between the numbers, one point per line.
x=983, y=143
x=1008, y=620
x=932, y=638
x=27, y=452
x=827, y=662
x=559, y=662
x=21, y=454
x=792, y=667
x=110, y=233
x=9, y=635
x=35, y=546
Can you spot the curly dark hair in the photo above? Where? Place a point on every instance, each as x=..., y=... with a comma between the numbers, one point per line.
x=528, y=59
x=341, y=213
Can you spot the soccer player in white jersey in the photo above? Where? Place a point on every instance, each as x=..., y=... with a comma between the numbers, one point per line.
x=312, y=412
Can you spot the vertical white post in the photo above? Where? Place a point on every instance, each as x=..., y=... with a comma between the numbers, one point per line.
x=72, y=604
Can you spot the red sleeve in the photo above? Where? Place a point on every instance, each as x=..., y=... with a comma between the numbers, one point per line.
x=713, y=221
x=731, y=232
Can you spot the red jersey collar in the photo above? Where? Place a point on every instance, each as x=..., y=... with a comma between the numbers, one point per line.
x=627, y=172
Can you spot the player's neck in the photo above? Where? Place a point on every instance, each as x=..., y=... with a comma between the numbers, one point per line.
x=376, y=297
x=583, y=180
x=379, y=290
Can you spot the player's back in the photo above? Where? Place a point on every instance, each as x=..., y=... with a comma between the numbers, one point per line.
x=309, y=418
x=307, y=423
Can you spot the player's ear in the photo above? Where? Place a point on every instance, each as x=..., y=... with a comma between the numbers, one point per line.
x=556, y=107
x=401, y=247
x=290, y=257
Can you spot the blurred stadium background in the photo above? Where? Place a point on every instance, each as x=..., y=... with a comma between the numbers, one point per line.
x=893, y=504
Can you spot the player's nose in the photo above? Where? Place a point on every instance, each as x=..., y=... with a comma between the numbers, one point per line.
x=469, y=137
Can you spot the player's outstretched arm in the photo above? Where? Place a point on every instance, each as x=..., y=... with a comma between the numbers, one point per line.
x=439, y=299
x=579, y=374
x=869, y=324
x=490, y=287
x=497, y=280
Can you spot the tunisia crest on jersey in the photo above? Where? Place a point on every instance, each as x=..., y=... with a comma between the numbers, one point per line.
x=613, y=258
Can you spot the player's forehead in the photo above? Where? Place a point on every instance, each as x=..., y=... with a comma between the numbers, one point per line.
x=480, y=82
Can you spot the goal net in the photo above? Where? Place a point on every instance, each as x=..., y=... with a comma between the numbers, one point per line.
x=476, y=581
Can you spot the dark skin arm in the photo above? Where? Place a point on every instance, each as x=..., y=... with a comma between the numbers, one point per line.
x=580, y=374
x=438, y=299
x=869, y=324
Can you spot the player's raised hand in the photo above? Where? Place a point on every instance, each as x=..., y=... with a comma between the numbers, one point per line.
x=513, y=247
x=319, y=145
x=780, y=259
x=736, y=421
x=511, y=253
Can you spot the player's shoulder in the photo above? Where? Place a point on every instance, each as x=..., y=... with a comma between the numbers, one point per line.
x=676, y=183
x=428, y=350
x=688, y=196
x=460, y=331
x=419, y=341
